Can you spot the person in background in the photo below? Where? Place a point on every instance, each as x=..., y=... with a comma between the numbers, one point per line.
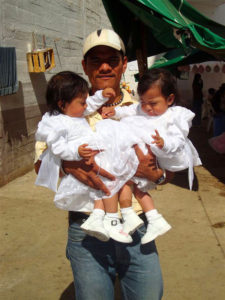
x=218, y=104
x=207, y=108
x=197, y=87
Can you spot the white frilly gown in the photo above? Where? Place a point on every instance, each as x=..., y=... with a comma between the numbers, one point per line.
x=64, y=135
x=173, y=126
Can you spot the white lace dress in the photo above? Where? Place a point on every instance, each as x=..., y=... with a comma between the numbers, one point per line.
x=173, y=126
x=63, y=135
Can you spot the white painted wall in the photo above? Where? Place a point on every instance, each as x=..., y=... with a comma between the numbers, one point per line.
x=219, y=14
x=210, y=80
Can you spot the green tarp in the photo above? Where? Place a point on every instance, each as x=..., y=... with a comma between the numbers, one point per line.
x=178, y=57
x=166, y=25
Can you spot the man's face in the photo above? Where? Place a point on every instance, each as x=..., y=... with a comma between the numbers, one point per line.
x=104, y=67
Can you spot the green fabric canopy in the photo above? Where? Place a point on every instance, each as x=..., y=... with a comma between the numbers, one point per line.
x=178, y=57
x=166, y=25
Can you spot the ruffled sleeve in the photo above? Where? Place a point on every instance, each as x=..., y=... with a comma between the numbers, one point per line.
x=179, y=123
x=54, y=132
x=182, y=118
x=94, y=102
x=126, y=111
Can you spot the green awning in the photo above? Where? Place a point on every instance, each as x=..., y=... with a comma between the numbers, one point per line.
x=168, y=25
x=178, y=57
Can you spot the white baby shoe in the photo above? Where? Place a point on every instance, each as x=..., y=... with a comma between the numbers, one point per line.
x=156, y=226
x=94, y=226
x=131, y=222
x=115, y=230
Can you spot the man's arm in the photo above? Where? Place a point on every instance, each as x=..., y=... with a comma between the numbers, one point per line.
x=88, y=173
x=84, y=171
x=37, y=165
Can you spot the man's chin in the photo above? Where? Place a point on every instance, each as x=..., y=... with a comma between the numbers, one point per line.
x=106, y=83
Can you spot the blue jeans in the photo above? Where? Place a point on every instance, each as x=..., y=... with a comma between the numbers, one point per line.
x=95, y=265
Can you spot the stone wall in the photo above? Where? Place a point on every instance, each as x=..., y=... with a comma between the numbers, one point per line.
x=65, y=24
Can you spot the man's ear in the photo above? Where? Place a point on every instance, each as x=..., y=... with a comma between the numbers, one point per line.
x=170, y=99
x=124, y=63
x=84, y=66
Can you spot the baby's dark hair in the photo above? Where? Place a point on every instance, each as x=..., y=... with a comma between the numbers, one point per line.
x=64, y=86
x=161, y=77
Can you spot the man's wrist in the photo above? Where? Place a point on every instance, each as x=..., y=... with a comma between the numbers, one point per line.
x=162, y=178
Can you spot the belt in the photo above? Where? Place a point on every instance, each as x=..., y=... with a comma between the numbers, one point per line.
x=80, y=218
x=77, y=217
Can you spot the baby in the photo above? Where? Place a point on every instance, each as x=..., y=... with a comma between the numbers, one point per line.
x=156, y=122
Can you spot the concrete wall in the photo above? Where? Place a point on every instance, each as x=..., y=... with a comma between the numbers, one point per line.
x=65, y=23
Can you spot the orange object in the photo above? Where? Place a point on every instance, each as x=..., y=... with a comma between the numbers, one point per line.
x=41, y=60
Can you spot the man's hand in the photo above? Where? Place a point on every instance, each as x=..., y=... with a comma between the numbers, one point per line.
x=88, y=174
x=37, y=166
x=147, y=167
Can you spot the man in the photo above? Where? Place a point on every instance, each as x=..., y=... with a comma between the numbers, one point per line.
x=94, y=263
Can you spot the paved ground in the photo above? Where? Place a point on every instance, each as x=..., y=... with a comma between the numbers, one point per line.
x=33, y=236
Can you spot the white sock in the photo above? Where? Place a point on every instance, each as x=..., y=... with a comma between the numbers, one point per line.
x=151, y=214
x=113, y=215
x=125, y=211
x=98, y=212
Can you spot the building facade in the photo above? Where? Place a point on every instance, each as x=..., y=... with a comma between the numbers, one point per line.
x=28, y=24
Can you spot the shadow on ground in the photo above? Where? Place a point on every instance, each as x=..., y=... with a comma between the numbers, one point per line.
x=68, y=293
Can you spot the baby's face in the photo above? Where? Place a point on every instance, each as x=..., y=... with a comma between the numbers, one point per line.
x=76, y=107
x=153, y=103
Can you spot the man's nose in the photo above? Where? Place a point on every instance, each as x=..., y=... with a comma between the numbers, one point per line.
x=105, y=67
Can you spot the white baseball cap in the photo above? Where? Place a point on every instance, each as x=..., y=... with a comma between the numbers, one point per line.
x=103, y=37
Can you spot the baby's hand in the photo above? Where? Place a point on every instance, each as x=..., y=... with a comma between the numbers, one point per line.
x=108, y=93
x=85, y=152
x=158, y=140
x=108, y=112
